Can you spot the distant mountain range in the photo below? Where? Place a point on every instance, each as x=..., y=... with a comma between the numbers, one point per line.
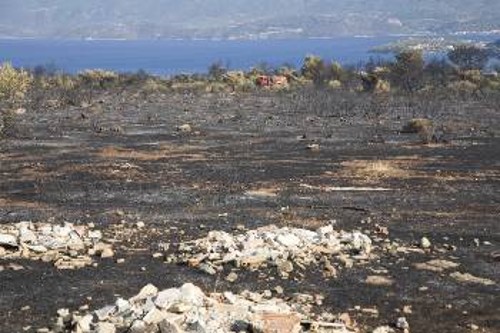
x=242, y=19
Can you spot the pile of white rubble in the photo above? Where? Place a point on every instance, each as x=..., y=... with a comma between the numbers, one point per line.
x=67, y=246
x=188, y=310
x=285, y=248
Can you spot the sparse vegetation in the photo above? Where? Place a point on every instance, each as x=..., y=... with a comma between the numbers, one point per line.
x=414, y=87
x=14, y=84
x=177, y=157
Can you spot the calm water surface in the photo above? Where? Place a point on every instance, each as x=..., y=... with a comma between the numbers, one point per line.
x=181, y=56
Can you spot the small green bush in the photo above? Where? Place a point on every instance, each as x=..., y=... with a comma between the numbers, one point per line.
x=14, y=84
x=421, y=126
x=98, y=77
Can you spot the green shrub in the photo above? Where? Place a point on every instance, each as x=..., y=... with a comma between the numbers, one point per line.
x=98, y=77
x=407, y=71
x=14, y=84
x=463, y=87
x=421, y=126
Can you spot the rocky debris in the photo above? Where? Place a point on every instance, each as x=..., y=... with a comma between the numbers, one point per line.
x=188, y=310
x=12, y=267
x=402, y=323
x=379, y=280
x=66, y=245
x=185, y=128
x=436, y=265
x=473, y=327
x=425, y=243
x=232, y=277
x=313, y=147
x=276, y=322
x=469, y=278
x=7, y=240
x=407, y=309
x=284, y=248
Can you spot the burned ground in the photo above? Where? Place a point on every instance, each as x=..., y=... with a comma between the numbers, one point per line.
x=245, y=162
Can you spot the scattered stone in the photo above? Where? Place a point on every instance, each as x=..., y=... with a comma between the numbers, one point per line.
x=473, y=327
x=186, y=128
x=120, y=260
x=15, y=267
x=84, y=324
x=105, y=328
x=346, y=261
x=384, y=329
x=147, y=291
x=169, y=326
x=7, y=240
x=346, y=319
x=402, y=323
x=179, y=308
x=329, y=271
x=407, y=309
x=437, y=265
x=104, y=313
x=285, y=266
x=107, y=253
x=273, y=322
x=371, y=311
x=469, y=278
x=278, y=290
x=313, y=147
x=425, y=243
x=379, y=280
x=232, y=277
x=67, y=262
x=208, y=268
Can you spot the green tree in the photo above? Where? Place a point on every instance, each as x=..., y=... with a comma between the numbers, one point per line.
x=407, y=71
x=315, y=69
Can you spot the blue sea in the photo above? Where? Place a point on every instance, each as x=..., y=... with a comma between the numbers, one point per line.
x=167, y=57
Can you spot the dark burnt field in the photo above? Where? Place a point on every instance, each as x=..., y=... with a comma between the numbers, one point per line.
x=122, y=159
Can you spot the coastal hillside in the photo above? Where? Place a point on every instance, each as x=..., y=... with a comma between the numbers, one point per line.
x=239, y=19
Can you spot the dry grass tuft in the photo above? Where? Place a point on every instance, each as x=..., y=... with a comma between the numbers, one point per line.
x=163, y=152
x=377, y=169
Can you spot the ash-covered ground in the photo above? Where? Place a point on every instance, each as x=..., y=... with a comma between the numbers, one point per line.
x=154, y=171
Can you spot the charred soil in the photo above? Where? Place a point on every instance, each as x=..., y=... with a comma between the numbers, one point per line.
x=127, y=164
